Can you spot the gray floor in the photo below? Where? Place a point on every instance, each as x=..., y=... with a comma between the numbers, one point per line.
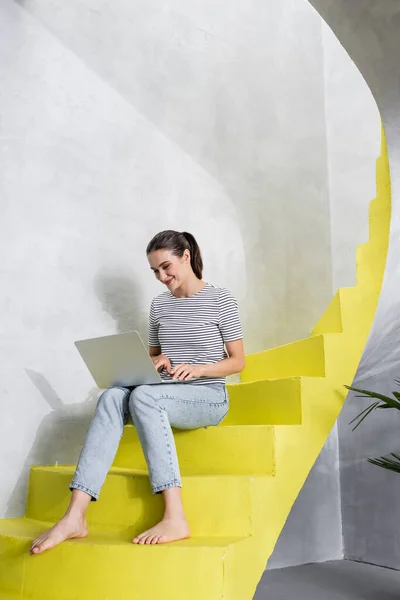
x=336, y=580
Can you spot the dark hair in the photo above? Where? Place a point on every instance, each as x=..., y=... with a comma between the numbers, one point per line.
x=177, y=243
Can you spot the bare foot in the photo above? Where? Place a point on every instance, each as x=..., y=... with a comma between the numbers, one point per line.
x=167, y=530
x=67, y=528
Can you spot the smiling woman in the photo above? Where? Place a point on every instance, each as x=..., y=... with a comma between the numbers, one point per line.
x=189, y=324
x=191, y=321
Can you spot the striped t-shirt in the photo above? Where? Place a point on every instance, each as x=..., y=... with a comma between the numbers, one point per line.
x=193, y=330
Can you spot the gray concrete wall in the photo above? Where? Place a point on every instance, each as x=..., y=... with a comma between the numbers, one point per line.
x=120, y=120
x=369, y=30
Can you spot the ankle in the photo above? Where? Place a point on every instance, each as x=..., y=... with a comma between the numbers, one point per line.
x=76, y=514
x=174, y=515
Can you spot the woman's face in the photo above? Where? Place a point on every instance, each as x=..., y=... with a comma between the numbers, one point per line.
x=170, y=270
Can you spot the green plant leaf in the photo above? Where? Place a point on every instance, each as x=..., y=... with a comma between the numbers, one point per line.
x=370, y=394
x=366, y=413
x=385, y=463
x=362, y=412
x=392, y=402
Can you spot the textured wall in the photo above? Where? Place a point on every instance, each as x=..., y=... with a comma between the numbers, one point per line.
x=369, y=30
x=227, y=88
x=354, y=137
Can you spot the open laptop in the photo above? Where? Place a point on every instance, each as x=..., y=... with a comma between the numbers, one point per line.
x=119, y=359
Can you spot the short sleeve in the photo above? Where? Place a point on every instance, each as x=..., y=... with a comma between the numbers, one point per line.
x=228, y=314
x=153, y=330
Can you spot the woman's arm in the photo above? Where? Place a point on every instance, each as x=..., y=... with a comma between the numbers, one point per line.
x=224, y=367
x=154, y=350
x=234, y=364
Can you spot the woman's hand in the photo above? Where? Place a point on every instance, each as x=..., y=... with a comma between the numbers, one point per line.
x=184, y=371
x=161, y=361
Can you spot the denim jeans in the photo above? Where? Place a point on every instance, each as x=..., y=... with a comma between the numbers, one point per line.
x=154, y=409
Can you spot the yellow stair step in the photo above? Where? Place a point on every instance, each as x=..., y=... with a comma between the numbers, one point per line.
x=380, y=214
x=108, y=566
x=270, y=402
x=351, y=309
x=230, y=450
x=302, y=357
x=370, y=262
x=214, y=504
x=382, y=174
x=317, y=356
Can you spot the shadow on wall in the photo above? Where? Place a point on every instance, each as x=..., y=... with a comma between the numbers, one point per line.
x=121, y=298
x=60, y=435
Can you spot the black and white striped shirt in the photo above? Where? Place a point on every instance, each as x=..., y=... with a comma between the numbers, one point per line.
x=193, y=330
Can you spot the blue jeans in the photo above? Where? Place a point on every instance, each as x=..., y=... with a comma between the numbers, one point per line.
x=154, y=409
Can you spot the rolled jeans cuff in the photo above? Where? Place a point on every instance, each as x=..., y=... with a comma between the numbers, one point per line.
x=165, y=486
x=83, y=488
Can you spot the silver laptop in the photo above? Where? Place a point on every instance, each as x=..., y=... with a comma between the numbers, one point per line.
x=119, y=359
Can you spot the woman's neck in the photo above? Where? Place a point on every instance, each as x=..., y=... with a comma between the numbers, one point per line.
x=190, y=289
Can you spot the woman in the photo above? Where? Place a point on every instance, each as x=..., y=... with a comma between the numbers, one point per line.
x=188, y=326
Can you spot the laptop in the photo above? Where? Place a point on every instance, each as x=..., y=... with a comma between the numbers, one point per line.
x=119, y=359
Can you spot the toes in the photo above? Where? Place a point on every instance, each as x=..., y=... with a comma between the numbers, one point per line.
x=35, y=547
x=150, y=537
x=139, y=538
x=153, y=539
x=142, y=538
x=36, y=542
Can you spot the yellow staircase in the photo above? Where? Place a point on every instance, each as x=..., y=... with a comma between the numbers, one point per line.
x=240, y=479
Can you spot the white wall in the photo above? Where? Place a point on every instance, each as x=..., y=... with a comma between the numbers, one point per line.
x=354, y=137
x=119, y=120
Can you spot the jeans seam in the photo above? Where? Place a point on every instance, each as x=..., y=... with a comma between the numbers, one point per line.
x=191, y=402
x=162, y=411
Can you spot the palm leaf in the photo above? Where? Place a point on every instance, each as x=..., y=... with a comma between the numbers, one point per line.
x=383, y=402
x=365, y=412
x=386, y=463
x=370, y=394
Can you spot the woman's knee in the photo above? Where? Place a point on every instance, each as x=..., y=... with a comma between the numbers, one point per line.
x=113, y=397
x=140, y=396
